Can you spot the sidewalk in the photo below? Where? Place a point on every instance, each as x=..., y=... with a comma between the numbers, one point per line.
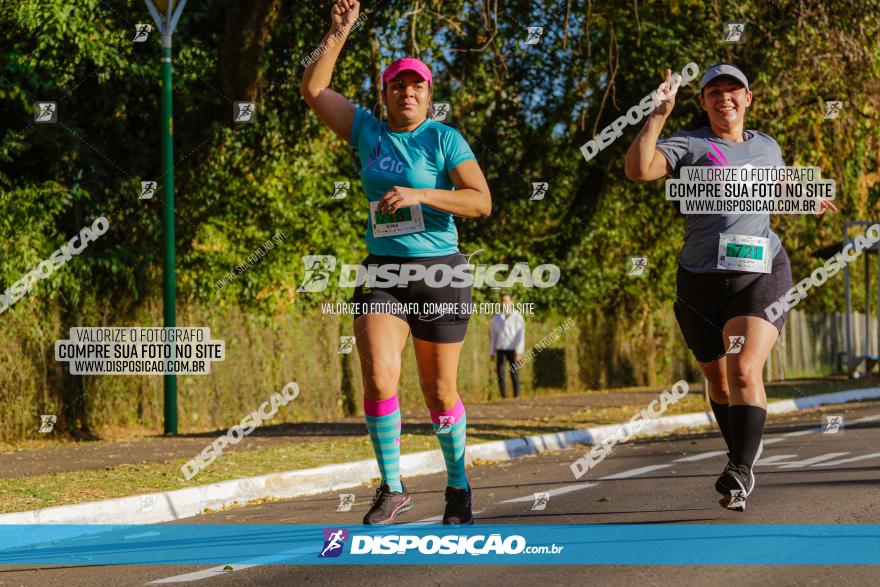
x=495, y=420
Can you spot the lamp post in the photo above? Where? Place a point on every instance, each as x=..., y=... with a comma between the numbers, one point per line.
x=166, y=17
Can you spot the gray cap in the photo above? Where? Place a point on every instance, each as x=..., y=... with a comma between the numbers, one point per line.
x=724, y=69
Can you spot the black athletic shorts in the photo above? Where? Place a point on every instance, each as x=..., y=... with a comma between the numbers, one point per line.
x=434, y=313
x=706, y=301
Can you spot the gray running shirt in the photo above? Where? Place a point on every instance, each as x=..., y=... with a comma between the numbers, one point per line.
x=692, y=148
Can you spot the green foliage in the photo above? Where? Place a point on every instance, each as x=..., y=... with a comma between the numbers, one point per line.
x=524, y=109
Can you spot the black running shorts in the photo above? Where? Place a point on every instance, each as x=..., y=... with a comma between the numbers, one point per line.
x=435, y=313
x=706, y=301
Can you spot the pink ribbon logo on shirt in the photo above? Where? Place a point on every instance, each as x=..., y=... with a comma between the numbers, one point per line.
x=717, y=157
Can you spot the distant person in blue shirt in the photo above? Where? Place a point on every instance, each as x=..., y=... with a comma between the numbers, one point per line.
x=417, y=173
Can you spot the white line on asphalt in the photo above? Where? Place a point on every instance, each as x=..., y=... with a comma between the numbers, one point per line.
x=873, y=455
x=773, y=459
x=868, y=419
x=701, y=456
x=552, y=492
x=811, y=460
x=802, y=432
x=199, y=575
x=217, y=571
x=633, y=472
x=772, y=440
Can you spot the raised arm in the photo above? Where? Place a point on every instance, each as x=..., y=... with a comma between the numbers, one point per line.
x=644, y=162
x=332, y=108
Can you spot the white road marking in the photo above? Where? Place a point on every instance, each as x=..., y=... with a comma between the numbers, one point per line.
x=811, y=460
x=873, y=455
x=634, y=472
x=777, y=460
x=701, y=456
x=141, y=535
x=217, y=571
x=773, y=459
x=552, y=492
x=801, y=432
x=199, y=575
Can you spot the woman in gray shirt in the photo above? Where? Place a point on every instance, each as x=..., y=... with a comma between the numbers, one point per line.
x=721, y=294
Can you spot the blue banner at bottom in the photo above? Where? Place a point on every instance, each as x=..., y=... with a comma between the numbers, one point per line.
x=631, y=544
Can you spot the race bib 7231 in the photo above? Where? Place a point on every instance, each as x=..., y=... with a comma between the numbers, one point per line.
x=738, y=252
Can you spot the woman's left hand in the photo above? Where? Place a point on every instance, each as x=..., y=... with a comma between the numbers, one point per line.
x=398, y=197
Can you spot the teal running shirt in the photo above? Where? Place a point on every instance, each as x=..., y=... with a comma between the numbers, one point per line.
x=418, y=159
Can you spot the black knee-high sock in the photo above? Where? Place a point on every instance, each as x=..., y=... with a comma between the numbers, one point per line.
x=721, y=415
x=746, y=429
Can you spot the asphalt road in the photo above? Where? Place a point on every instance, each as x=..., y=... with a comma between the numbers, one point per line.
x=805, y=476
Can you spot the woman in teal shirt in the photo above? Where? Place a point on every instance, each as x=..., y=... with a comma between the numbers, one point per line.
x=417, y=173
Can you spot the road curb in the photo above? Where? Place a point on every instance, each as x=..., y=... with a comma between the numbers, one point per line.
x=192, y=501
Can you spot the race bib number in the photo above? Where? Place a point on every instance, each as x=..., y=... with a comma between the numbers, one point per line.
x=402, y=221
x=737, y=252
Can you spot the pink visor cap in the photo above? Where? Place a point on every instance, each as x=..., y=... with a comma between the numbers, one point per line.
x=407, y=64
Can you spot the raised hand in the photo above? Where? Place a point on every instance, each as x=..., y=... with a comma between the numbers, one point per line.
x=664, y=95
x=343, y=14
